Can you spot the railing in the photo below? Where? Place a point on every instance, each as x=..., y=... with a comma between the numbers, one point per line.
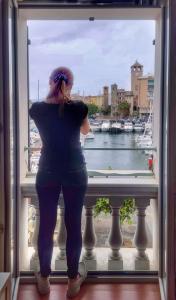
x=143, y=190
x=101, y=172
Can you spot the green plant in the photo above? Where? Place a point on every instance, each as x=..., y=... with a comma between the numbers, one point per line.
x=102, y=205
x=124, y=109
x=106, y=111
x=92, y=109
x=126, y=211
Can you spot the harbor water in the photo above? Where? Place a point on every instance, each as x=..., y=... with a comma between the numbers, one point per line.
x=114, y=159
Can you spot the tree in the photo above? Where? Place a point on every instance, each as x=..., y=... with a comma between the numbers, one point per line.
x=124, y=109
x=92, y=109
x=106, y=111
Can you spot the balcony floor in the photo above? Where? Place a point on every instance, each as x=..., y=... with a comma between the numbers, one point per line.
x=95, y=291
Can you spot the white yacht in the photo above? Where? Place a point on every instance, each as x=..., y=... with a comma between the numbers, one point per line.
x=95, y=126
x=145, y=143
x=116, y=127
x=105, y=126
x=128, y=126
x=82, y=139
x=89, y=136
x=34, y=135
x=138, y=127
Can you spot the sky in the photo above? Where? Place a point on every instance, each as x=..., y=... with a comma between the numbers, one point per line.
x=99, y=53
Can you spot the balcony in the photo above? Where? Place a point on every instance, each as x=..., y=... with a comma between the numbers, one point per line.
x=112, y=256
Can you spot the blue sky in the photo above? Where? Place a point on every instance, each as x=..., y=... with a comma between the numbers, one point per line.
x=99, y=53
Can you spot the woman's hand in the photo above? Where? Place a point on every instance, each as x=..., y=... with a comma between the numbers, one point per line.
x=85, y=127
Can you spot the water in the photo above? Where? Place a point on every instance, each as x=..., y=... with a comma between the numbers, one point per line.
x=115, y=159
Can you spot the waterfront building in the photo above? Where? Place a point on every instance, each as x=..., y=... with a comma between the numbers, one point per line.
x=118, y=96
x=76, y=96
x=129, y=97
x=105, y=97
x=114, y=99
x=146, y=91
x=142, y=88
x=97, y=100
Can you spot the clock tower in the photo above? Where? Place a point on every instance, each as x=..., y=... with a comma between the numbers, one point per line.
x=136, y=72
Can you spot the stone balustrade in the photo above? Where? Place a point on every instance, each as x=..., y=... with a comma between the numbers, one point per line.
x=117, y=190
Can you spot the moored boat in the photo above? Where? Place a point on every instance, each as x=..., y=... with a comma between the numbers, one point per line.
x=128, y=126
x=105, y=126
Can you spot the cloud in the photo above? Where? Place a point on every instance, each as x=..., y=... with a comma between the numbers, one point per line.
x=99, y=53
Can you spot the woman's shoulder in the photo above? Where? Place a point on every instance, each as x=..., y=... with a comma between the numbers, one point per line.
x=76, y=102
x=79, y=103
x=36, y=104
x=81, y=109
x=34, y=108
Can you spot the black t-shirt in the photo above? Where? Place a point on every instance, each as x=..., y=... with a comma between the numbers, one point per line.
x=60, y=135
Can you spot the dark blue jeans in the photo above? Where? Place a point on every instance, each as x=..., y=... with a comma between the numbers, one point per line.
x=48, y=187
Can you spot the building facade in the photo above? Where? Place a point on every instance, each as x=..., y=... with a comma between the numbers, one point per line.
x=146, y=90
x=114, y=100
x=105, y=97
x=97, y=100
x=136, y=72
x=142, y=88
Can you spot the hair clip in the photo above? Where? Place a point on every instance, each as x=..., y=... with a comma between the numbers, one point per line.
x=60, y=76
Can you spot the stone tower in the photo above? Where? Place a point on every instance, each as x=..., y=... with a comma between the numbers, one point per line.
x=105, y=97
x=114, y=99
x=136, y=72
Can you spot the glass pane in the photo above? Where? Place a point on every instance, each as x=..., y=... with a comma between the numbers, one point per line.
x=112, y=126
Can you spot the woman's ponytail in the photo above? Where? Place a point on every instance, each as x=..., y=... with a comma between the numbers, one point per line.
x=63, y=79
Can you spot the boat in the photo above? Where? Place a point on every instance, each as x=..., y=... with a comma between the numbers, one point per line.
x=34, y=135
x=145, y=143
x=89, y=136
x=116, y=127
x=95, y=126
x=138, y=127
x=105, y=126
x=128, y=126
x=82, y=139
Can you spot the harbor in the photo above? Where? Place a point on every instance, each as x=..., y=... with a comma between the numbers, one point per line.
x=110, y=140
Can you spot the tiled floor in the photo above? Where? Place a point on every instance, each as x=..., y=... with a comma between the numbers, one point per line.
x=95, y=291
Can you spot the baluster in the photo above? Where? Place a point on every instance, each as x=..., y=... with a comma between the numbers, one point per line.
x=34, y=261
x=61, y=261
x=155, y=240
x=23, y=232
x=140, y=237
x=89, y=239
x=115, y=261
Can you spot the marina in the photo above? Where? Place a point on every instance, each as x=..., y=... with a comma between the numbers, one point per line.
x=112, y=136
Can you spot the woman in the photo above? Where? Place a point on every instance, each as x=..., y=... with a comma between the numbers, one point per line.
x=61, y=166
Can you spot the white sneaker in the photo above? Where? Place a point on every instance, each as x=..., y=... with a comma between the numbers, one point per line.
x=43, y=284
x=75, y=284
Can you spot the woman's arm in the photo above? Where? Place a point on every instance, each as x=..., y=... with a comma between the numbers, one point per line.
x=85, y=127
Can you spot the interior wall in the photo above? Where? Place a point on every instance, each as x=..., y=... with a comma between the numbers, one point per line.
x=170, y=178
x=2, y=196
